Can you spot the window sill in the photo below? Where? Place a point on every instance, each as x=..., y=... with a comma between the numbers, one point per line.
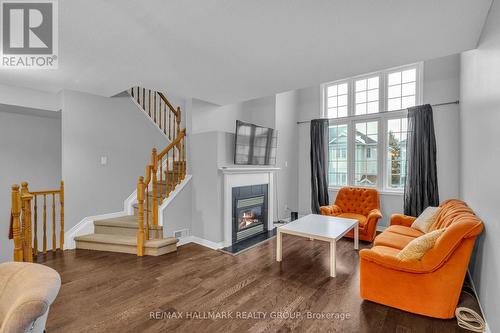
x=382, y=192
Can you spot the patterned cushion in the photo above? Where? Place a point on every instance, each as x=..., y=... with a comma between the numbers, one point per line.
x=418, y=247
x=426, y=219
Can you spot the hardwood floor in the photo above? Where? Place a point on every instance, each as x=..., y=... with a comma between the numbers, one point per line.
x=112, y=292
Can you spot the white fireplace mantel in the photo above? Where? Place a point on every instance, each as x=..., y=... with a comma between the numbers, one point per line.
x=235, y=176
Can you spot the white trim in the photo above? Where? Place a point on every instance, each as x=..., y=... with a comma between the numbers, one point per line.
x=200, y=241
x=487, y=329
x=171, y=197
x=86, y=226
x=128, y=204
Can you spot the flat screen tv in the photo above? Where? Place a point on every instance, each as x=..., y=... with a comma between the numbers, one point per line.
x=254, y=145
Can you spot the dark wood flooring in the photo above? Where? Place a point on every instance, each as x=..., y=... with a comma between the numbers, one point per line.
x=111, y=292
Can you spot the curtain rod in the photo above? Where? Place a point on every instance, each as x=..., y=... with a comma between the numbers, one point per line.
x=438, y=104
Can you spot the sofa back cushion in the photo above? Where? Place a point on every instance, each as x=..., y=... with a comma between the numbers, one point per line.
x=357, y=200
x=453, y=211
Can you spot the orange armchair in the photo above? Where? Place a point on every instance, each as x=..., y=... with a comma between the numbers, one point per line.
x=362, y=204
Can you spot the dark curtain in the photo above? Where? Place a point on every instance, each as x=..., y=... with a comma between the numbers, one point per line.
x=421, y=188
x=319, y=164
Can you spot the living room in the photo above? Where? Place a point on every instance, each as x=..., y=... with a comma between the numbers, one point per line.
x=320, y=166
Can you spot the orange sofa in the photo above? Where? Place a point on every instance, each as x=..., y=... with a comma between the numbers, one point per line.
x=362, y=204
x=430, y=286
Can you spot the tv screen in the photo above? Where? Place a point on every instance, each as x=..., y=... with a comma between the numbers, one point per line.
x=254, y=145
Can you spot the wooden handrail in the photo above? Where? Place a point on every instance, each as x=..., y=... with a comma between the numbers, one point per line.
x=167, y=102
x=23, y=228
x=173, y=144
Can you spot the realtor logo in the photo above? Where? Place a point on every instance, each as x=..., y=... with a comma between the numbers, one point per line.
x=29, y=34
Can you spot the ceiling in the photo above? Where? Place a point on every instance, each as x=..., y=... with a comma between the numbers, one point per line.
x=225, y=51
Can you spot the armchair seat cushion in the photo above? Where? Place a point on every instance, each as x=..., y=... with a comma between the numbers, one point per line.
x=359, y=217
x=391, y=239
x=405, y=231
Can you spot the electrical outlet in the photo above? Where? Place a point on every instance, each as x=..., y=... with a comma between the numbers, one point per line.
x=104, y=160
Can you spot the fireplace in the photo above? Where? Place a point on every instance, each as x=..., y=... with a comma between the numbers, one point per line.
x=249, y=211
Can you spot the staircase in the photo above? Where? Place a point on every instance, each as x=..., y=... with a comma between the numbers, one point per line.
x=140, y=233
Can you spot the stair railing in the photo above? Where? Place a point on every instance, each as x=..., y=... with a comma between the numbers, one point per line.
x=24, y=221
x=156, y=105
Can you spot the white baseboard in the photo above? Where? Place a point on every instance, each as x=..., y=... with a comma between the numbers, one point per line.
x=487, y=330
x=200, y=241
x=86, y=226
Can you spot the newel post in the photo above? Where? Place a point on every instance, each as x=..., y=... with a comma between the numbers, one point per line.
x=26, y=221
x=16, y=223
x=61, y=202
x=154, y=207
x=140, y=217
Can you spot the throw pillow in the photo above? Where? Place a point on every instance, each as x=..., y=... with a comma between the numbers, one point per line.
x=426, y=219
x=418, y=247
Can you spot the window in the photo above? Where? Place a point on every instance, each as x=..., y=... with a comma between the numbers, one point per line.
x=337, y=156
x=397, y=133
x=367, y=95
x=337, y=100
x=368, y=116
x=366, y=167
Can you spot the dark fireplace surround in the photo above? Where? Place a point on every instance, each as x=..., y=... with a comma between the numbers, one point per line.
x=250, y=204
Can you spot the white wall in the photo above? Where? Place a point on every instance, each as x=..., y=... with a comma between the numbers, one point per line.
x=286, y=157
x=30, y=149
x=441, y=84
x=94, y=126
x=480, y=158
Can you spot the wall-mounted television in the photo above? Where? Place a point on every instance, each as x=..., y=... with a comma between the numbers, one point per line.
x=254, y=145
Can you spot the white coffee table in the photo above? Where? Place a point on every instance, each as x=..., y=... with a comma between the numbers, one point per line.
x=325, y=228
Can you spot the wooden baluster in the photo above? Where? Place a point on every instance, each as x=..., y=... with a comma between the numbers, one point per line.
x=54, y=243
x=174, y=167
x=183, y=148
x=161, y=181
x=144, y=98
x=16, y=223
x=149, y=104
x=165, y=119
x=148, y=207
x=138, y=94
x=169, y=124
x=132, y=92
x=178, y=119
x=44, y=239
x=155, y=107
x=61, y=203
x=26, y=221
x=35, y=229
x=167, y=178
x=140, y=217
x=159, y=115
x=154, y=208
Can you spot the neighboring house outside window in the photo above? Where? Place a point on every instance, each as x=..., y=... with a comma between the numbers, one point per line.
x=368, y=116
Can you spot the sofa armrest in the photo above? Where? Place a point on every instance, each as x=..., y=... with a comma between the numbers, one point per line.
x=392, y=262
x=401, y=219
x=331, y=210
x=374, y=214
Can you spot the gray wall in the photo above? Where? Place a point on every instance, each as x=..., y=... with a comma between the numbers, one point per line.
x=30, y=148
x=95, y=126
x=480, y=158
x=178, y=214
x=441, y=84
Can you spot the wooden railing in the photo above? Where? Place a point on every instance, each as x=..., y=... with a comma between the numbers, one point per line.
x=24, y=221
x=159, y=109
x=166, y=170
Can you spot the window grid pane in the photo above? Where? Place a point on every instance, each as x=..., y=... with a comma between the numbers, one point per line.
x=401, y=89
x=337, y=100
x=337, y=155
x=365, y=158
x=397, y=133
x=367, y=96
